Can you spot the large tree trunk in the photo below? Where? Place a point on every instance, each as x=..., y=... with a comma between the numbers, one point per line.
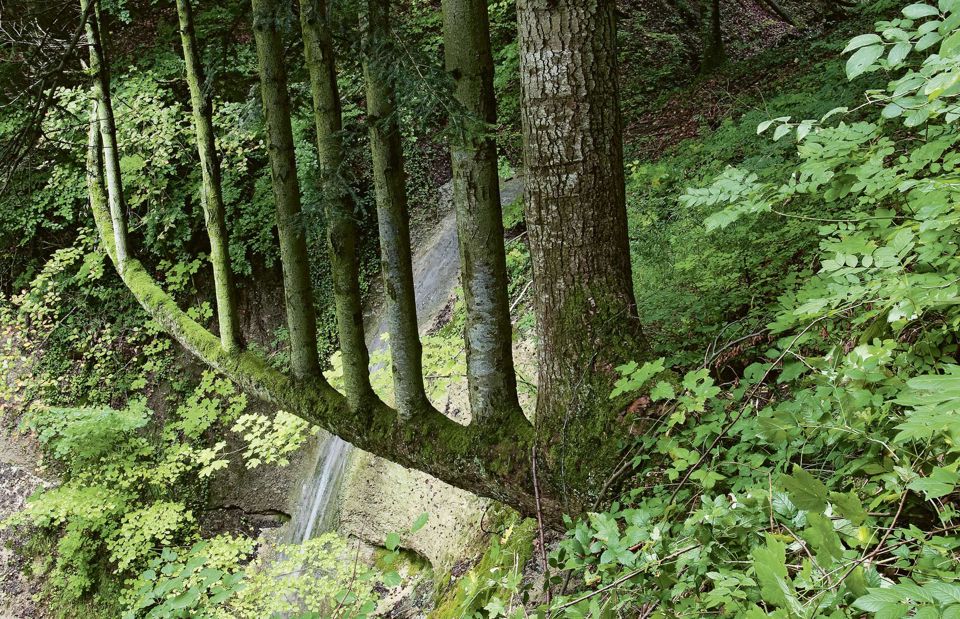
x=108, y=131
x=342, y=231
x=211, y=193
x=298, y=294
x=476, y=194
x=577, y=221
x=393, y=219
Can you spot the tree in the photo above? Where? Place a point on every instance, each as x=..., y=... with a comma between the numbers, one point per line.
x=577, y=221
x=714, y=54
x=301, y=317
x=476, y=194
x=342, y=230
x=393, y=219
x=101, y=93
x=211, y=193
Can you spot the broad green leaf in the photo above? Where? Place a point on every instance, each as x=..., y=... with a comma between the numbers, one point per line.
x=860, y=41
x=940, y=483
x=898, y=52
x=806, y=491
x=863, y=59
x=392, y=542
x=849, y=506
x=916, y=11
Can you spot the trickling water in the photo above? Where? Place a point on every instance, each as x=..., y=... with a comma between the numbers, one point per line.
x=322, y=488
x=436, y=269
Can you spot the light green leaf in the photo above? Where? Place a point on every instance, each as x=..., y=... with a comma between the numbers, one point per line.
x=863, y=59
x=861, y=41
x=916, y=11
x=806, y=491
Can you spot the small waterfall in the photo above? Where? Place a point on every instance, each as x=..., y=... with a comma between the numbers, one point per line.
x=321, y=490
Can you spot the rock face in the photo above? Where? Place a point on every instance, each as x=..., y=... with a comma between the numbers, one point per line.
x=379, y=497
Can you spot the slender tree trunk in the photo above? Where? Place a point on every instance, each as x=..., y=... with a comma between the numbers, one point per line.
x=342, y=232
x=476, y=194
x=211, y=193
x=391, y=193
x=714, y=54
x=301, y=320
x=108, y=130
x=577, y=222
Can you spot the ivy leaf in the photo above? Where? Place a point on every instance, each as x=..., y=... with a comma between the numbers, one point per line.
x=806, y=491
x=863, y=59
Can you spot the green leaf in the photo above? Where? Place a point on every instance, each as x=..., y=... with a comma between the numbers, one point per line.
x=916, y=11
x=391, y=580
x=898, y=53
x=806, y=491
x=781, y=131
x=861, y=41
x=392, y=541
x=419, y=522
x=770, y=565
x=950, y=45
x=662, y=391
x=825, y=541
x=863, y=59
x=849, y=506
x=940, y=483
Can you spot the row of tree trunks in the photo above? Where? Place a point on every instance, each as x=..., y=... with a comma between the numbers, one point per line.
x=211, y=190
x=576, y=217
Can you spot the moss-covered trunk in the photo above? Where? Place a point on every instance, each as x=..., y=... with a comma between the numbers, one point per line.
x=393, y=219
x=108, y=128
x=211, y=193
x=476, y=194
x=577, y=221
x=342, y=230
x=298, y=295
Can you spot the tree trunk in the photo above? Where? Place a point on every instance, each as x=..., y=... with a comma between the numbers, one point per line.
x=476, y=194
x=714, y=54
x=577, y=222
x=301, y=320
x=108, y=130
x=342, y=232
x=391, y=194
x=211, y=193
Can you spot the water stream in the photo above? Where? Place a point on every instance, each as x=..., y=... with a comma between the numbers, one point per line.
x=436, y=270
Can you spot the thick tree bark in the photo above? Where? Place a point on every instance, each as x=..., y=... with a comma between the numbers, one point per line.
x=577, y=222
x=108, y=130
x=211, y=193
x=301, y=319
x=476, y=194
x=342, y=230
x=393, y=219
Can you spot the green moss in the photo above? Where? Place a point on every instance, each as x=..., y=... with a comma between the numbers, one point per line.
x=506, y=553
